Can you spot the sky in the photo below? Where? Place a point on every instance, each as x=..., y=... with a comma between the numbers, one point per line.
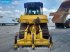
x=14, y=8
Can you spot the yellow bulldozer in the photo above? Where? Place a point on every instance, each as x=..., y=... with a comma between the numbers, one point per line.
x=33, y=27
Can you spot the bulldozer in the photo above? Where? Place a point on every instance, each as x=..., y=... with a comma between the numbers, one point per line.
x=33, y=28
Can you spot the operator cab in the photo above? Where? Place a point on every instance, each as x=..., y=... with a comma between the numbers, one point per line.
x=33, y=8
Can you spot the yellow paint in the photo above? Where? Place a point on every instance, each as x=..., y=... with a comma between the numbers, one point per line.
x=38, y=38
x=30, y=18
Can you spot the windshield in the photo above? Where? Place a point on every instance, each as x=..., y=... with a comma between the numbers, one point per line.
x=33, y=11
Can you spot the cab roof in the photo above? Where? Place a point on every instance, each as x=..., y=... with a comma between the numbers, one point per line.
x=33, y=5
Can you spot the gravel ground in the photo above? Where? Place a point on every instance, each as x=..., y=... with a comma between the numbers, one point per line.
x=61, y=40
